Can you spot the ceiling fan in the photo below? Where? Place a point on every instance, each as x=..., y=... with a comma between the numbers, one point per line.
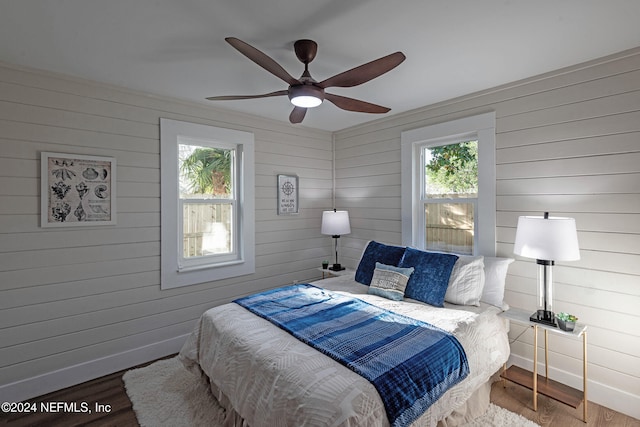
x=305, y=92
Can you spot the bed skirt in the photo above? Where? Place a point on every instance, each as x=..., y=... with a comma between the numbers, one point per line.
x=473, y=408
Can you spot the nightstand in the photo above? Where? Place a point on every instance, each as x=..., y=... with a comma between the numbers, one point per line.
x=542, y=384
x=331, y=273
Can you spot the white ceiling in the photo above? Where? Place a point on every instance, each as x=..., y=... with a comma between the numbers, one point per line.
x=177, y=47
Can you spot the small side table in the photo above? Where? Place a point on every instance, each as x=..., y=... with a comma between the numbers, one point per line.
x=332, y=273
x=543, y=385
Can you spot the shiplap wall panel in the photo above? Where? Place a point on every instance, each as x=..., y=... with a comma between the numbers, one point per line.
x=75, y=120
x=72, y=296
x=613, y=343
x=585, y=128
x=567, y=142
x=594, y=108
x=18, y=205
x=612, y=299
x=592, y=146
x=78, y=255
x=623, y=381
x=577, y=166
x=75, y=137
x=11, y=279
x=589, y=279
x=625, y=223
x=19, y=297
x=628, y=183
x=604, y=203
x=129, y=158
x=390, y=190
x=575, y=93
x=30, y=222
x=370, y=179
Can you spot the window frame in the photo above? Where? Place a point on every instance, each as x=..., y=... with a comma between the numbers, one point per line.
x=481, y=128
x=174, y=272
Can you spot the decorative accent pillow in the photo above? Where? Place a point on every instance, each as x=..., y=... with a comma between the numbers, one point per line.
x=430, y=277
x=467, y=281
x=495, y=271
x=377, y=252
x=389, y=281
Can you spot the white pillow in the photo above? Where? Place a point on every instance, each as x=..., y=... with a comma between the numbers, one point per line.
x=466, y=281
x=495, y=271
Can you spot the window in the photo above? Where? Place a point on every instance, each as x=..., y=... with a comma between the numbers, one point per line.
x=448, y=186
x=449, y=196
x=207, y=203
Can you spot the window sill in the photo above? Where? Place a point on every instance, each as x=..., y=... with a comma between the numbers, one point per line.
x=208, y=266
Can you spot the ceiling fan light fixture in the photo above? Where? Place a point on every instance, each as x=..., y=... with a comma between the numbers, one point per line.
x=306, y=96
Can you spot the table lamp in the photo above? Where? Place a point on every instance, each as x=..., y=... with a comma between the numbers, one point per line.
x=335, y=223
x=546, y=239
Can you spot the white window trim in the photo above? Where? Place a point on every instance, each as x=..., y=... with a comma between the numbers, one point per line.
x=171, y=133
x=480, y=127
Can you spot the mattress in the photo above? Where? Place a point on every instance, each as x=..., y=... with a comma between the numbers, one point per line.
x=266, y=377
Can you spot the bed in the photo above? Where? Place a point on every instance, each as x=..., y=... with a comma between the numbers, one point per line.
x=264, y=376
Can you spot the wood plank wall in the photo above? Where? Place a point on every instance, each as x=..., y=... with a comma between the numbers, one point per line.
x=69, y=297
x=568, y=142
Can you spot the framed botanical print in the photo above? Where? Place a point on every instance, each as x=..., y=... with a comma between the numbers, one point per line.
x=77, y=190
x=287, y=194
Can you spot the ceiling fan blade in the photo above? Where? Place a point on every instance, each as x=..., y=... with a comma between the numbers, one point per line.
x=297, y=115
x=235, y=97
x=262, y=60
x=365, y=72
x=351, y=104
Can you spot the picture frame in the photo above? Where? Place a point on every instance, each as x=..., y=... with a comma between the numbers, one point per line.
x=77, y=190
x=287, y=194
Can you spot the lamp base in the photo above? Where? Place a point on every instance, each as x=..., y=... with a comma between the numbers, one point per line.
x=336, y=267
x=545, y=317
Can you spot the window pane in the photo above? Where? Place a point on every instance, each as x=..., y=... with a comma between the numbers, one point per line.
x=207, y=229
x=451, y=171
x=205, y=172
x=449, y=227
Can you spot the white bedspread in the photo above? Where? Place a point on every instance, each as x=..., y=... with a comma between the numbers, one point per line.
x=271, y=379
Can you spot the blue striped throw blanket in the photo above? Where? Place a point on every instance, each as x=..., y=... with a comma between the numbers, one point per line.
x=411, y=363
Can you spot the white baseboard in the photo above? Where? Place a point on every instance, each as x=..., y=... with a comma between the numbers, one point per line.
x=52, y=381
x=602, y=394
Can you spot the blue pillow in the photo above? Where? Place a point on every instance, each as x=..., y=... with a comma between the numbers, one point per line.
x=377, y=252
x=389, y=281
x=430, y=277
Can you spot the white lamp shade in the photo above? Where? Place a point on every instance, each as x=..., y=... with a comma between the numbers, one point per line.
x=551, y=239
x=335, y=223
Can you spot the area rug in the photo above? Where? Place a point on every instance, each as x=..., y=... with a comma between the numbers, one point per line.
x=166, y=394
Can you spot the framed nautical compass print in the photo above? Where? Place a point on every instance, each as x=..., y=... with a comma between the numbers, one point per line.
x=287, y=194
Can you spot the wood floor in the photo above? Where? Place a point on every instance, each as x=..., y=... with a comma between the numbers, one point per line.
x=110, y=391
x=551, y=413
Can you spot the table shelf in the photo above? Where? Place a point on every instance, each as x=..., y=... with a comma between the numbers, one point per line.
x=548, y=387
x=332, y=273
